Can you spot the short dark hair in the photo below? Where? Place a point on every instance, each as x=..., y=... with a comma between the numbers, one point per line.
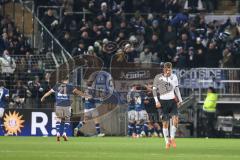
x=2, y=83
x=212, y=89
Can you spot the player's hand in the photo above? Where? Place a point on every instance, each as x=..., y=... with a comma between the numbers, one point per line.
x=42, y=99
x=158, y=105
x=179, y=104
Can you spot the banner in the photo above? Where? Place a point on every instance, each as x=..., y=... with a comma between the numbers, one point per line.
x=200, y=77
x=30, y=122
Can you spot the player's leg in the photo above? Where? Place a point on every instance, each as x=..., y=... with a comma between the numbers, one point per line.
x=138, y=124
x=59, y=116
x=144, y=119
x=1, y=119
x=95, y=115
x=131, y=122
x=173, y=129
x=81, y=123
x=157, y=129
x=67, y=114
x=165, y=122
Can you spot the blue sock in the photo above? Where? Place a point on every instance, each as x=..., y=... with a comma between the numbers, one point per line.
x=66, y=126
x=158, y=131
x=80, y=124
x=1, y=127
x=151, y=131
x=138, y=128
x=145, y=128
x=97, y=126
x=130, y=129
x=58, y=127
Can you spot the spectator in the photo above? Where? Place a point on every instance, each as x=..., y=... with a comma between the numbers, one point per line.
x=79, y=50
x=19, y=94
x=67, y=42
x=146, y=55
x=227, y=61
x=212, y=56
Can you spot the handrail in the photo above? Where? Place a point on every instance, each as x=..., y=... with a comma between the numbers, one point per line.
x=42, y=25
x=52, y=36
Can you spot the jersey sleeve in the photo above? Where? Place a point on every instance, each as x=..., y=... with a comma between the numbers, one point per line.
x=54, y=89
x=155, y=87
x=6, y=94
x=176, y=83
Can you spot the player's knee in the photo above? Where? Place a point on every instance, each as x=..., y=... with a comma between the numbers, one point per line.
x=175, y=121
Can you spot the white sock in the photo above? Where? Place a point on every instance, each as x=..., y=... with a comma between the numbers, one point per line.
x=165, y=134
x=173, y=131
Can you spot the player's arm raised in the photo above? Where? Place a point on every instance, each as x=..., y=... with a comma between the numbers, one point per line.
x=155, y=89
x=47, y=94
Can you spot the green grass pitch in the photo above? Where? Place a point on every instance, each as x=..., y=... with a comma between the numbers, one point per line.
x=117, y=148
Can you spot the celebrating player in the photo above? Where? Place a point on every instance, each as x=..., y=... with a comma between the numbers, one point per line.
x=62, y=92
x=154, y=128
x=4, y=95
x=139, y=115
x=166, y=85
x=90, y=111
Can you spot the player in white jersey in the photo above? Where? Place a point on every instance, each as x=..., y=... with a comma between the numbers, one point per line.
x=165, y=89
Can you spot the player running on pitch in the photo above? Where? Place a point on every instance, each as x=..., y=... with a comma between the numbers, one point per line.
x=166, y=85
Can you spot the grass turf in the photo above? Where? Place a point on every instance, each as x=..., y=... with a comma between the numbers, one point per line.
x=112, y=148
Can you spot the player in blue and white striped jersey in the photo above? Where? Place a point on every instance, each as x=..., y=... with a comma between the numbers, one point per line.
x=90, y=111
x=62, y=92
x=137, y=96
x=4, y=95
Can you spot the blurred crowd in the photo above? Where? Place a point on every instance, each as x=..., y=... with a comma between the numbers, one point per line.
x=21, y=71
x=145, y=31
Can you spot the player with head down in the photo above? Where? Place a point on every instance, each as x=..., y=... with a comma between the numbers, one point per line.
x=166, y=85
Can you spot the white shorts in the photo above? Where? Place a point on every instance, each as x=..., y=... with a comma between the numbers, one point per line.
x=141, y=115
x=1, y=112
x=131, y=115
x=90, y=113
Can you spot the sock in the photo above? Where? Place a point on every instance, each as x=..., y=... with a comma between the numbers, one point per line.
x=157, y=130
x=165, y=134
x=80, y=124
x=130, y=129
x=1, y=127
x=97, y=126
x=58, y=128
x=66, y=126
x=173, y=131
x=145, y=128
x=138, y=129
x=151, y=131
